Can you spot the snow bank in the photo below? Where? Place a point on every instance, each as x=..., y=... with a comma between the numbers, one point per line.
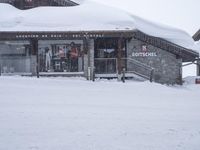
x=88, y=16
x=78, y=1
x=67, y=114
x=198, y=43
x=190, y=80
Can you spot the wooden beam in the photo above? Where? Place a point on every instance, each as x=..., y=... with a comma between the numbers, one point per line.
x=63, y=35
x=34, y=51
x=119, y=56
x=198, y=67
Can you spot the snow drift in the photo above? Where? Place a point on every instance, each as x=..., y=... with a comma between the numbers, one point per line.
x=88, y=16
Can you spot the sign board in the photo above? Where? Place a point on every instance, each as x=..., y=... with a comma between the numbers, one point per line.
x=144, y=52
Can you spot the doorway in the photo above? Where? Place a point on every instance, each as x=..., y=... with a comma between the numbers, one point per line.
x=106, y=53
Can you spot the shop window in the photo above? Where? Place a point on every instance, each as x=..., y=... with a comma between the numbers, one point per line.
x=61, y=58
x=15, y=56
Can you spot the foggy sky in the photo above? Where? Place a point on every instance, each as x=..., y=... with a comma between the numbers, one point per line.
x=182, y=14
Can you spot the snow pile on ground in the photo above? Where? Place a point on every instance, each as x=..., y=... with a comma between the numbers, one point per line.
x=88, y=16
x=78, y=1
x=191, y=79
x=198, y=44
x=68, y=114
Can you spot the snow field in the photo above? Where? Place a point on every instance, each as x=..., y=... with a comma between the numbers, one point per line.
x=71, y=113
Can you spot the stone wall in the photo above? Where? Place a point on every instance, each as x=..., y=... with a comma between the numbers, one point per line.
x=168, y=69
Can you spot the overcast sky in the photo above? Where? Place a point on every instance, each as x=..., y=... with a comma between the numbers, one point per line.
x=183, y=14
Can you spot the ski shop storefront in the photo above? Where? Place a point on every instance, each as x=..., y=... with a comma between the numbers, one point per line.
x=108, y=54
x=60, y=53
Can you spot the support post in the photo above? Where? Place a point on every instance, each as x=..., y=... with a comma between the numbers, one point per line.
x=0, y=69
x=37, y=60
x=89, y=43
x=34, y=45
x=119, y=58
x=89, y=73
x=0, y=65
x=151, y=76
x=89, y=64
x=123, y=77
x=198, y=67
x=93, y=74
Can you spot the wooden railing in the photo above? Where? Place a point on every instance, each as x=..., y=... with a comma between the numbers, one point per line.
x=130, y=66
x=65, y=2
x=139, y=68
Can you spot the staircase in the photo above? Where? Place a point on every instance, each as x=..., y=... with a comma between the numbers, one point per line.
x=132, y=69
x=136, y=68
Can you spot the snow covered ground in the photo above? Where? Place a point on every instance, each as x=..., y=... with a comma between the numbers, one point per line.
x=74, y=114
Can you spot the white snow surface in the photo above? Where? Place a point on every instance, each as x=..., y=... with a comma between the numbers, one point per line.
x=88, y=16
x=74, y=114
x=78, y=1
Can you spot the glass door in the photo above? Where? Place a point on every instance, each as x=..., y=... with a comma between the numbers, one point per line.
x=106, y=53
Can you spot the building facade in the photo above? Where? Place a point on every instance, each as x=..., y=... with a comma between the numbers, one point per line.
x=92, y=54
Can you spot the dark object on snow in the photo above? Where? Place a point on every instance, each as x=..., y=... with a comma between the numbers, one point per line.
x=197, y=81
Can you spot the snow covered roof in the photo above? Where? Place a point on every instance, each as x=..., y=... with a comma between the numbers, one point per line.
x=88, y=16
x=198, y=43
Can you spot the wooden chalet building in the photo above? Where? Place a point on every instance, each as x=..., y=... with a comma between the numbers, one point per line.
x=98, y=53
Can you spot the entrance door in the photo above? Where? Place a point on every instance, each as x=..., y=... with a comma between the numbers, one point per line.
x=106, y=52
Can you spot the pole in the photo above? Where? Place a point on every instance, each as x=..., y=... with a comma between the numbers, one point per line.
x=88, y=57
x=0, y=65
x=198, y=67
x=0, y=69
x=93, y=74
x=151, y=76
x=123, y=77
x=119, y=60
x=89, y=73
x=37, y=59
x=34, y=43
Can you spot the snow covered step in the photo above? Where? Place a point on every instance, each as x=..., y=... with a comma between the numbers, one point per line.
x=129, y=76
